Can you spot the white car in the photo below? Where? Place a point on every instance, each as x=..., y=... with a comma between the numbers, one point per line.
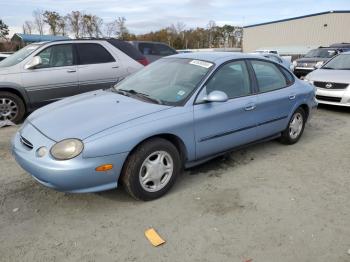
x=332, y=81
x=276, y=58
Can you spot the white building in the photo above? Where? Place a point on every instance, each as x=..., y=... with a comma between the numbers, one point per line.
x=297, y=35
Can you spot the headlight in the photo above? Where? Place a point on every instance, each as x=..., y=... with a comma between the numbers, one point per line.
x=309, y=81
x=67, y=149
x=319, y=64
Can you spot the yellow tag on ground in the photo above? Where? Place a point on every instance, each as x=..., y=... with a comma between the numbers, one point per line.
x=153, y=237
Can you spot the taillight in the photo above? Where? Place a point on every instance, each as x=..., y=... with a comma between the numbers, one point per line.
x=143, y=61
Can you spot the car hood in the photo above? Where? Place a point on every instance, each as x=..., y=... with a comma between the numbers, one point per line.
x=329, y=75
x=84, y=115
x=311, y=59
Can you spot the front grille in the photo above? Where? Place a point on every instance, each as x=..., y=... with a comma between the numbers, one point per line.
x=328, y=98
x=302, y=64
x=26, y=143
x=330, y=85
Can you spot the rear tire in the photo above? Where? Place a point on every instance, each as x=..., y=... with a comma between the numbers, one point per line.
x=295, y=128
x=11, y=107
x=151, y=170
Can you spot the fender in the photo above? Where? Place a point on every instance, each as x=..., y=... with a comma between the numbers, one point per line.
x=18, y=90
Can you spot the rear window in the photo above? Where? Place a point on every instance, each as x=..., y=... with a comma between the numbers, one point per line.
x=126, y=48
x=93, y=54
x=156, y=49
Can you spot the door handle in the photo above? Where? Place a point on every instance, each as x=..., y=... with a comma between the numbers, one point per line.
x=291, y=97
x=115, y=66
x=71, y=71
x=249, y=107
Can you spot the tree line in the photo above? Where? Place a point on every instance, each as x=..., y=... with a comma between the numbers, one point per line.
x=79, y=24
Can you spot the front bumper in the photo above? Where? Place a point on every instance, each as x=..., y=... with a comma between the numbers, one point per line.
x=76, y=175
x=333, y=97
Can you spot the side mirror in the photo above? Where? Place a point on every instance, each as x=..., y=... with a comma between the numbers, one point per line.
x=36, y=60
x=216, y=96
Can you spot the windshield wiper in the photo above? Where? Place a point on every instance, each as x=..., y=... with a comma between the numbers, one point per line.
x=142, y=95
x=325, y=67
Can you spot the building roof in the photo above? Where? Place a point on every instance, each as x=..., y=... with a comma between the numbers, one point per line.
x=298, y=17
x=38, y=38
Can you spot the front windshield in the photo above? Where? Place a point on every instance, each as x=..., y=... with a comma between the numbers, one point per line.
x=321, y=53
x=169, y=80
x=340, y=62
x=19, y=55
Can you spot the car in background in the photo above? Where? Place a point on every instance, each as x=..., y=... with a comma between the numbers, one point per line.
x=129, y=49
x=332, y=81
x=344, y=46
x=153, y=50
x=276, y=58
x=314, y=59
x=177, y=112
x=3, y=56
x=269, y=51
x=45, y=72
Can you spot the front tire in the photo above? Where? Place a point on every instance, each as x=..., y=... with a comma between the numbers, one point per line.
x=151, y=170
x=11, y=107
x=295, y=128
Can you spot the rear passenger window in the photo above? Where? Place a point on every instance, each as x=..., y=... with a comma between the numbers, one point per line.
x=164, y=50
x=290, y=77
x=147, y=49
x=269, y=77
x=93, y=54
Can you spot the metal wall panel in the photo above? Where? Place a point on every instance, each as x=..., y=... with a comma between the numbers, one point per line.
x=309, y=31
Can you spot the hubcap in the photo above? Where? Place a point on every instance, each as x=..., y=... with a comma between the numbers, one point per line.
x=296, y=125
x=156, y=171
x=8, y=109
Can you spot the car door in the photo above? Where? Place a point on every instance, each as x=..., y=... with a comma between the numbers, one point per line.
x=97, y=67
x=220, y=126
x=55, y=78
x=276, y=97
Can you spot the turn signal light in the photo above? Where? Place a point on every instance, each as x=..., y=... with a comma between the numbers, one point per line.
x=103, y=168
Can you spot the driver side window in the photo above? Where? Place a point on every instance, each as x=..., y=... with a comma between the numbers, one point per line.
x=232, y=79
x=56, y=56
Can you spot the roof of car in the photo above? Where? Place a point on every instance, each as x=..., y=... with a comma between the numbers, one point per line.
x=214, y=56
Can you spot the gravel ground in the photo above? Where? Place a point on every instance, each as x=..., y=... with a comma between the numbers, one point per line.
x=268, y=202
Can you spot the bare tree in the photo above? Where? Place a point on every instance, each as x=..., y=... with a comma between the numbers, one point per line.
x=53, y=19
x=39, y=21
x=74, y=20
x=121, y=29
x=62, y=26
x=110, y=29
x=97, y=24
x=211, y=28
x=28, y=27
x=180, y=27
x=4, y=30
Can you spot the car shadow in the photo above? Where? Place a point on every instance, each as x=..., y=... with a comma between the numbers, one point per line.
x=338, y=109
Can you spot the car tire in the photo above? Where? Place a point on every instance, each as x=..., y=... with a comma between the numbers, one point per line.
x=295, y=128
x=151, y=169
x=12, y=107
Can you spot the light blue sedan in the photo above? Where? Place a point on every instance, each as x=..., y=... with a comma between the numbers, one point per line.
x=175, y=113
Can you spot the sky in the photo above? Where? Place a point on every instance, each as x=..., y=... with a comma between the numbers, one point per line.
x=143, y=16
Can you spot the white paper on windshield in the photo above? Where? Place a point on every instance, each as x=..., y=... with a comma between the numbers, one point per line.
x=201, y=63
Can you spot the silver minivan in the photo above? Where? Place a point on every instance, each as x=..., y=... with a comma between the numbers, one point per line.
x=42, y=73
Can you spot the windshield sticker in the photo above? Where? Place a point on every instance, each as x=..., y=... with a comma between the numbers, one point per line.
x=201, y=63
x=181, y=93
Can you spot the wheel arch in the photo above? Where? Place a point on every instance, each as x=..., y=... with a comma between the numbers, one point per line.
x=306, y=109
x=17, y=92
x=174, y=139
